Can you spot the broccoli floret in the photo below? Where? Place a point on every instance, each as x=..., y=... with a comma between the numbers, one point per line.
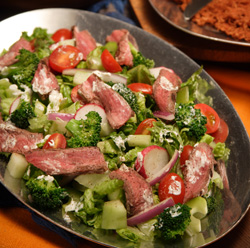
x=190, y=120
x=20, y=117
x=45, y=192
x=85, y=132
x=215, y=205
x=173, y=221
x=23, y=71
x=139, y=59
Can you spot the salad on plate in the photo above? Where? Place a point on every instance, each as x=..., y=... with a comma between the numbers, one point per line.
x=98, y=133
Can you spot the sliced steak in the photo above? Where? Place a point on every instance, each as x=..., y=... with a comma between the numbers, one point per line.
x=70, y=161
x=13, y=139
x=85, y=42
x=123, y=54
x=9, y=58
x=117, y=34
x=139, y=195
x=44, y=80
x=86, y=91
x=116, y=107
x=165, y=89
x=197, y=171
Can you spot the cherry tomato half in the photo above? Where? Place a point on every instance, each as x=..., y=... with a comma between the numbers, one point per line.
x=185, y=153
x=213, y=119
x=144, y=125
x=75, y=97
x=109, y=62
x=65, y=57
x=222, y=132
x=141, y=87
x=62, y=34
x=56, y=140
x=173, y=186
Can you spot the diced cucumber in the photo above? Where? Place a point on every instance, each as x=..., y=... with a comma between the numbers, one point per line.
x=118, y=194
x=114, y=215
x=13, y=184
x=194, y=227
x=81, y=76
x=39, y=108
x=17, y=165
x=106, y=129
x=90, y=180
x=140, y=140
x=108, y=147
x=183, y=95
x=198, y=207
x=70, y=42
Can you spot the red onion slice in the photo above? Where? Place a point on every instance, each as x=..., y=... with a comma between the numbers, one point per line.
x=62, y=116
x=151, y=212
x=164, y=115
x=164, y=171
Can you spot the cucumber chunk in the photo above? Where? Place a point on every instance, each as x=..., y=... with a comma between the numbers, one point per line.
x=140, y=140
x=198, y=207
x=90, y=180
x=17, y=165
x=114, y=215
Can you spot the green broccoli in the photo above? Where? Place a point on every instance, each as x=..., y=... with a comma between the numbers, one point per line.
x=85, y=132
x=139, y=59
x=45, y=192
x=173, y=221
x=215, y=205
x=190, y=120
x=23, y=71
x=20, y=117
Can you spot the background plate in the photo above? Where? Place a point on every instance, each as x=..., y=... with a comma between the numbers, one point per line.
x=164, y=54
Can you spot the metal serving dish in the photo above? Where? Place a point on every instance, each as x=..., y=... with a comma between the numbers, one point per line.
x=164, y=55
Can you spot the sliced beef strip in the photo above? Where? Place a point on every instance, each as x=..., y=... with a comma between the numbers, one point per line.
x=13, y=139
x=165, y=89
x=117, y=34
x=44, y=80
x=85, y=42
x=197, y=171
x=139, y=195
x=9, y=58
x=116, y=107
x=70, y=161
x=123, y=54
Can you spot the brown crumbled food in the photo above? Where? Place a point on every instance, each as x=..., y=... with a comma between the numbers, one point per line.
x=229, y=16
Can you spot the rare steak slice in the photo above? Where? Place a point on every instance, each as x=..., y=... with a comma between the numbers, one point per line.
x=197, y=171
x=70, y=161
x=165, y=89
x=139, y=195
x=13, y=139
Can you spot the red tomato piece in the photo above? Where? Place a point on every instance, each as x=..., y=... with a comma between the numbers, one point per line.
x=75, y=96
x=109, y=62
x=222, y=133
x=141, y=87
x=144, y=125
x=65, y=57
x=62, y=34
x=173, y=186
x=185, y=153
x=56, y=140
x=213, y=119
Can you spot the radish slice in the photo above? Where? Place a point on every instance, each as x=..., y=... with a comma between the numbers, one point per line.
x=164, y=115
x=62, y=116
x=81, y=114
x=151, y=160
x=14, y=105
x=164, y=171
x=151, y=212
x=155, y=71
x=105, y=76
